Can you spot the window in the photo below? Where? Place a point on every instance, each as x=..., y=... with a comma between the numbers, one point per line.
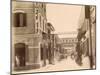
x=66, y=41
x=42, y=5
x=20, y=20
x=36, y=3
x=63, y=40
x=40, y=21
x=37, y=27
x=45, y=10
x=43, y=25
x=72, y=40
x=36, y=14
x=36, y=11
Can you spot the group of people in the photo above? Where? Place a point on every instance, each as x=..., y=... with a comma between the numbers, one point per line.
x=19, y=61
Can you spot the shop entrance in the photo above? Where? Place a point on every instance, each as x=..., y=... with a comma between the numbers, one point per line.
x=20, y=55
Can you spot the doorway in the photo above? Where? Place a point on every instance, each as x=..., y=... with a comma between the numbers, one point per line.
x=20, y=49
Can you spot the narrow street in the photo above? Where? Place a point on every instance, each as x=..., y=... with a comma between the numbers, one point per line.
x=65, y=64
x=45, y=41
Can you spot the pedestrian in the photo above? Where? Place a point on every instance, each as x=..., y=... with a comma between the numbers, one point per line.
x=17, y=61
x=79, y=54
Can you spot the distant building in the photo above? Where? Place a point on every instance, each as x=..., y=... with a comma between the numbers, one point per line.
x=68, y=45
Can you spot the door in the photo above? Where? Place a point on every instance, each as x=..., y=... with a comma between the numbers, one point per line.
x=20, y=54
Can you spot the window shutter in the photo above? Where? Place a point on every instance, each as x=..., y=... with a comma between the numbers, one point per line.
x=24, y=19
x=16, y=19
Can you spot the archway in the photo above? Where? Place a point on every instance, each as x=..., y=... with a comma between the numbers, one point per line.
x=20, y=49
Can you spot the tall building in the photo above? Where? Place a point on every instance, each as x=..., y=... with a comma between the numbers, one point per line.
x=93, y=32
x=51, y=43
x=29, y=26
x=87, y=33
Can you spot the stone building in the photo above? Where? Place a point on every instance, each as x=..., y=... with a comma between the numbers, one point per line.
x=93, y=33
x=50, y=50
x=68, y=46
x=87, y=33
x=29, y=29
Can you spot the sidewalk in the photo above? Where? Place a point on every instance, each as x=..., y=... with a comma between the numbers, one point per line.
x=65, y=64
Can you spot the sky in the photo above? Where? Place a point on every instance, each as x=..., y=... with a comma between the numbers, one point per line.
x=63, y=17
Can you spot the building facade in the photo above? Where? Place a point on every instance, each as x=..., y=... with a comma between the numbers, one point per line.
x=87, y=33
x=68, y=46
x=93, y=33
x=29, y=35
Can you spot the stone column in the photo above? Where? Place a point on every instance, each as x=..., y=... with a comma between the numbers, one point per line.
x=34, y=53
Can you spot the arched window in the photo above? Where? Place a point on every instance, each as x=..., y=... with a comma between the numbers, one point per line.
x=20, y=19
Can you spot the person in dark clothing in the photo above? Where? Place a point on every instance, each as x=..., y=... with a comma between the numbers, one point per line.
x=79, y=54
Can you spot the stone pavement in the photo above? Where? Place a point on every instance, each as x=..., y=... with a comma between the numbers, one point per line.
x=65, y=64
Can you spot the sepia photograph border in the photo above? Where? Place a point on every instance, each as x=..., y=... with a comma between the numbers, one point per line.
x=48, y=71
